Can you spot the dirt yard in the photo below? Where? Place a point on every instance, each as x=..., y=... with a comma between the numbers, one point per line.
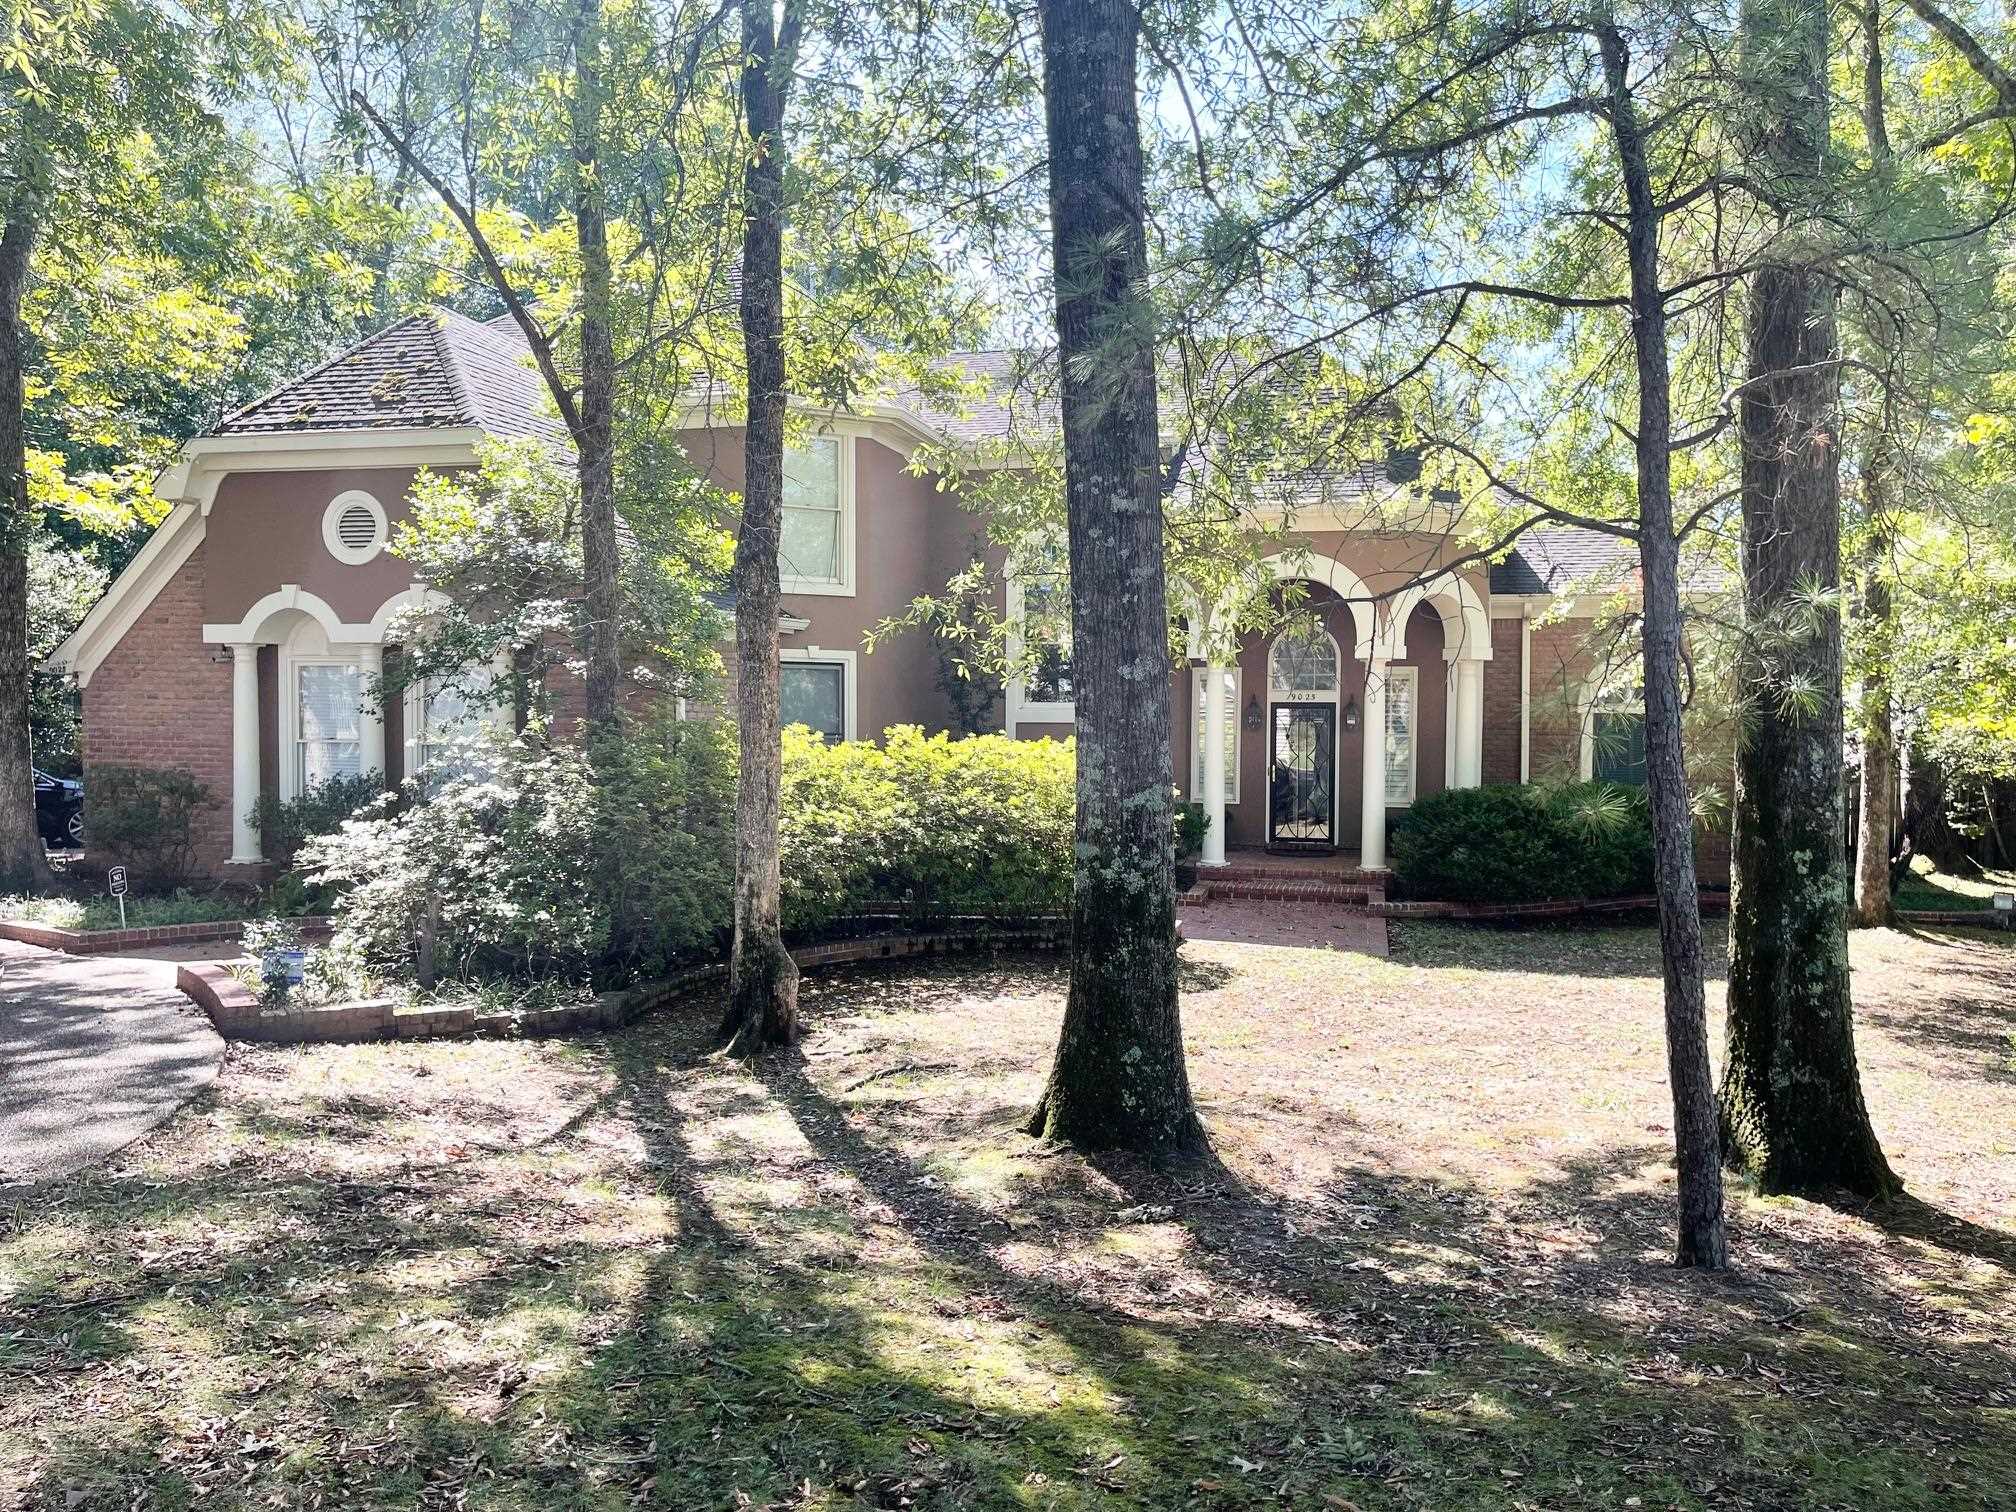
x=1427, y=1270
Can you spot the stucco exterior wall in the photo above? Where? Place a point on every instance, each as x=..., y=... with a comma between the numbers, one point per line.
x=905, y=533
x=265, y=530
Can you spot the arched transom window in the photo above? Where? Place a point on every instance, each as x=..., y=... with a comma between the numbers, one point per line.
x=1304, y=660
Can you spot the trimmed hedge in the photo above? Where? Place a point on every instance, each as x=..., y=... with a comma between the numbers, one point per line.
x=1510, y=843
x=981, y=822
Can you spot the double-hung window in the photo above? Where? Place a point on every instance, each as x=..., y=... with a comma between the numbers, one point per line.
x=816, y=552
x=437, y=719
x=1613, y=738
x=1039, y=637
x=328, y=722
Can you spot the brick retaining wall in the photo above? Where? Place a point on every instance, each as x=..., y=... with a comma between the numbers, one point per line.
x=236, y=1012
x=110, y=941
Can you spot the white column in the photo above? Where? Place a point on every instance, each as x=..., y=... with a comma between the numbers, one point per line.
x=1449, y=723
x=1214, y=766
x=244, y=752
x=1469, y=722
x=371, y=718
x=1372, y=798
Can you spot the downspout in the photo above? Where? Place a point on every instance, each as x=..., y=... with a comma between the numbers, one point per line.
x=1525, y=692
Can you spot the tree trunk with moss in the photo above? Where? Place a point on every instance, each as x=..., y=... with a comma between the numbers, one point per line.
x=596, y=438
x=762, y=977
x=1792, y=1109
x=1119, y=1079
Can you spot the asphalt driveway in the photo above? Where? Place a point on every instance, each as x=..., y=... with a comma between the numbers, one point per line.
x=94, y=1052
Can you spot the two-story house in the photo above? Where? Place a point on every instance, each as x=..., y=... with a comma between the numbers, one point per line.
x=240, y=642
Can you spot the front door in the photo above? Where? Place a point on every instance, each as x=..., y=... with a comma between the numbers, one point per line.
x=1302, y=785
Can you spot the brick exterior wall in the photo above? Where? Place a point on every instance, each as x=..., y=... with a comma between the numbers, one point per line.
x=1501, y=703
x=158, y=700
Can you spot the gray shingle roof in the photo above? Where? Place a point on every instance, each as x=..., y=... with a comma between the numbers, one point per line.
x=1549, y=558
x=436, y=369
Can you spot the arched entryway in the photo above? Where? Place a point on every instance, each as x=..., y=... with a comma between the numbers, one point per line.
x=1324, y=728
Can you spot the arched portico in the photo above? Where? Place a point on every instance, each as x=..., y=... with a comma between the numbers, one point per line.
x=1378, y=637
x=308, y=634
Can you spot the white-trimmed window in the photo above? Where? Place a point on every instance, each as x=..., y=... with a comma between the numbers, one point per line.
x=1303, y=660
x=437, y=718
x=1613, y=734
x=327, y=722
x=1230, y=685
x=353, y=527
x=817, y=689
x=1039, y=639
x=816, y=551
x=1403, y=708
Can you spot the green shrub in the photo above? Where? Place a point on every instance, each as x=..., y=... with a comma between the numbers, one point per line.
x=978, y=822
x=284, y=825
x=1515, y=844
x=1192, y=824
x=145, y=817
x=537, y=861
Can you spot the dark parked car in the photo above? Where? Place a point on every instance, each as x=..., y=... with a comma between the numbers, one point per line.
x=59, y=809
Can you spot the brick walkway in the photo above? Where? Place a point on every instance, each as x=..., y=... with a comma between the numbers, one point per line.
x=1267, y=921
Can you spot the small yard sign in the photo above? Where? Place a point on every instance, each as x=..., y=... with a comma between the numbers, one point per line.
x=2005, y=909
x=115, y=883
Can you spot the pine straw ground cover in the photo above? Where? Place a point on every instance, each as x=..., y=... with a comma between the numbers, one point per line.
x=1427, y=1273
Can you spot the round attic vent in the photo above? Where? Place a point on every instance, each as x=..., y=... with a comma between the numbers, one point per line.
x=353, y=527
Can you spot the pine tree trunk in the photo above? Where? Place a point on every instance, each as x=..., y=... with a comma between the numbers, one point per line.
x=762, y=977
x=1792, y=1109
x=1877, y=801
x=1877, y=792
x=1702, y=1240
x=595, y=442
x=1119, y=1079
x=24, y=863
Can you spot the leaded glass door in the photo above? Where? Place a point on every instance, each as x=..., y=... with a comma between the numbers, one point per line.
x=1302, y=797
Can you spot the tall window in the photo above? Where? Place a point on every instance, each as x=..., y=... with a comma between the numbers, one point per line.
x=436, y=718
x=328, y=721
x=812, y=549
x=1615, y=739
x=814, y=694
x=1230, y=691
x=1039, y=614
x=1403, y=701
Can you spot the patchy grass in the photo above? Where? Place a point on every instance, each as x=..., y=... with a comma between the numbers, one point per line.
x=98, y=911
x=1937, y=889
x=1427, y=1270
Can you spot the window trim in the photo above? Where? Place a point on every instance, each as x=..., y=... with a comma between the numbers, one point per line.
x=335, y=510
x=1021, y=709
x=1278, y=693
x=1397, y=671
x=1232, y=722
x=293, y=779
x=844, y=585
x=413, y=734
x=847, y=661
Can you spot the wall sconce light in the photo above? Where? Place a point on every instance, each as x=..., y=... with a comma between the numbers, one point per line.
x=1351, y=716
x=1252, y=718
x=221, y=655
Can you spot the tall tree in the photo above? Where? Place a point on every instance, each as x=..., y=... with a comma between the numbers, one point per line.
x=1119, y=1079
x=103, y=109
x=1792, y=1107
x=1702, y=1240
x=762, y=977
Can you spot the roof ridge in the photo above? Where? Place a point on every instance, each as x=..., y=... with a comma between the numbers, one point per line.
x=451, y=364
x=319, y=369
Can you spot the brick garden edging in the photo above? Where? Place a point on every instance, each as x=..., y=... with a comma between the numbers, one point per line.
x=106, y=941
x=237, y=1015
x=1713, y=901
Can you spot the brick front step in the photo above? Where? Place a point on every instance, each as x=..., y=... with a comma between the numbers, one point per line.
x=1292, y=871
x=1326, y=890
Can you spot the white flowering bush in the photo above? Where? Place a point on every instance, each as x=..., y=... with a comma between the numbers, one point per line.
x=533, y=859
